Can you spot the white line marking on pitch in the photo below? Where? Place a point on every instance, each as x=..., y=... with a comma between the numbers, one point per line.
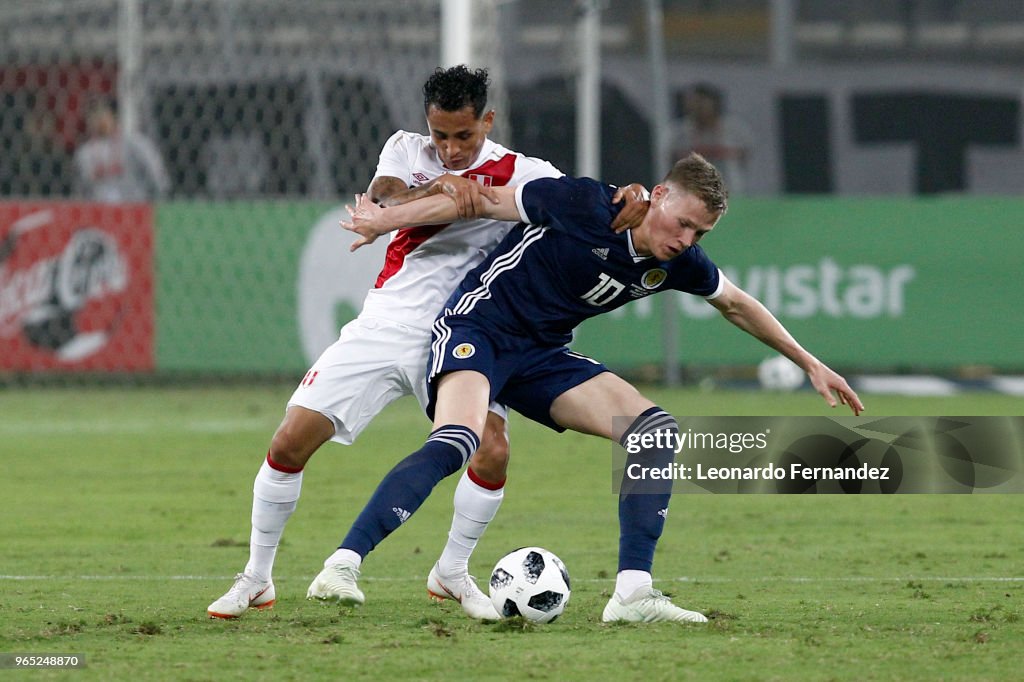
x=683, y=579
x=76, y=426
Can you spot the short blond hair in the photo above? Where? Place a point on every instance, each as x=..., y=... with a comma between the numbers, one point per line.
x=698, y=176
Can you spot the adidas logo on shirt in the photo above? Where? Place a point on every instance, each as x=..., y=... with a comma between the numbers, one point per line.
x=601, y=253
x=402, y=515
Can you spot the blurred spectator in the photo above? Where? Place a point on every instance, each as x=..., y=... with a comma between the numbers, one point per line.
x=33, y=160
x=707, y=129
x=113, y=166
x=45, y=163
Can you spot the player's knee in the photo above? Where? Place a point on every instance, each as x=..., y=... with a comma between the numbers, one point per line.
x=299, y=436
x=491, y=459
x=292, y=446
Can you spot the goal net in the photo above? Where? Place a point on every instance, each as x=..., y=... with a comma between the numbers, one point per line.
x=243, y=124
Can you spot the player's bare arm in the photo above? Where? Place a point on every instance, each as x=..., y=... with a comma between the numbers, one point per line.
x=388, y=190
x=430, y=206
x=750, y=315
x=638, y=201
x=370, y=221
x=468, y=195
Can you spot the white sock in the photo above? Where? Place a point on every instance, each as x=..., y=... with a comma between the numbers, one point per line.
x=629, y=581
x=274, y=496
x=475, y=507
x=344, y=556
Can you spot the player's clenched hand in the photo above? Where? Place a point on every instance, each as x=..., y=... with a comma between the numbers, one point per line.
x=467, y=194
x=365, y=221
x=638, y=201
x=825, y=381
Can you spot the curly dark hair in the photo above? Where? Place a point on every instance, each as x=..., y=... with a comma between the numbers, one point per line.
x=455, y=88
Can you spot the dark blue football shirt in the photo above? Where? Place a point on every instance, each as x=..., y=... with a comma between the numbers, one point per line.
x=567, y=265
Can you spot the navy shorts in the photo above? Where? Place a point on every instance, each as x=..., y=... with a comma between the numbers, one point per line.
x=524, y=375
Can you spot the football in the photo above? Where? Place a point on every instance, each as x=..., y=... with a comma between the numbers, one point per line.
x=779, y=373
x=530, y=582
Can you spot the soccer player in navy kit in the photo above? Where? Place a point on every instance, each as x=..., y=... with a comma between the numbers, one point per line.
x=503, y=334
x=382, y=354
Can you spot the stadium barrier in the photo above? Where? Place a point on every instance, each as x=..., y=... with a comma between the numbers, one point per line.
x=260, y=288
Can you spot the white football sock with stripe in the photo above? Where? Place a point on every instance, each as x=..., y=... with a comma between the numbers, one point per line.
x=274, y=496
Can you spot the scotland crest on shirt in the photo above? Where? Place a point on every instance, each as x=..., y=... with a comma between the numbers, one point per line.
x=653, y=279
x=649, y=283
x=463, y=351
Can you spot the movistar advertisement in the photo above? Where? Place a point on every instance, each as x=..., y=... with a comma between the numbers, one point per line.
x=902, y=283
x=76, y=287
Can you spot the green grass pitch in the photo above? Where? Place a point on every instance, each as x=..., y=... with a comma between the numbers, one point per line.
x=125, y=512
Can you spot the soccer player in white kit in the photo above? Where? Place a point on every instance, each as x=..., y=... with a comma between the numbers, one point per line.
x=382, y=355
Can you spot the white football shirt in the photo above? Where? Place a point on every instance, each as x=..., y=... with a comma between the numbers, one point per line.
x=423, y=265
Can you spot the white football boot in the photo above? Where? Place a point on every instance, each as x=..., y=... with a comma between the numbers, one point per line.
x=337, y=582
x=648, y=605
x=462, y=589
x=246, y=593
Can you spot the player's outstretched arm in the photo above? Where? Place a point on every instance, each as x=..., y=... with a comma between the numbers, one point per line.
x=370, y=221
x=469, y=196
x=750, y=315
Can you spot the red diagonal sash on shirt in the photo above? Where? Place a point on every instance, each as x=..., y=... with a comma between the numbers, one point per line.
x=499, y=171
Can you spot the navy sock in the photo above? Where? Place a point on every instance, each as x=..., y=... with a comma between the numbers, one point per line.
x=408, y=484
x=642, y=509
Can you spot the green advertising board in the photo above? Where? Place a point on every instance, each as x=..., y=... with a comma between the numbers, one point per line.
x=866, y=283
x=225, y=285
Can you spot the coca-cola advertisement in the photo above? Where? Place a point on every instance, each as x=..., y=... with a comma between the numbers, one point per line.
x=76, y=287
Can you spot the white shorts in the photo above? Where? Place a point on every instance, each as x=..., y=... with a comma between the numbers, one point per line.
x=373, y=363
